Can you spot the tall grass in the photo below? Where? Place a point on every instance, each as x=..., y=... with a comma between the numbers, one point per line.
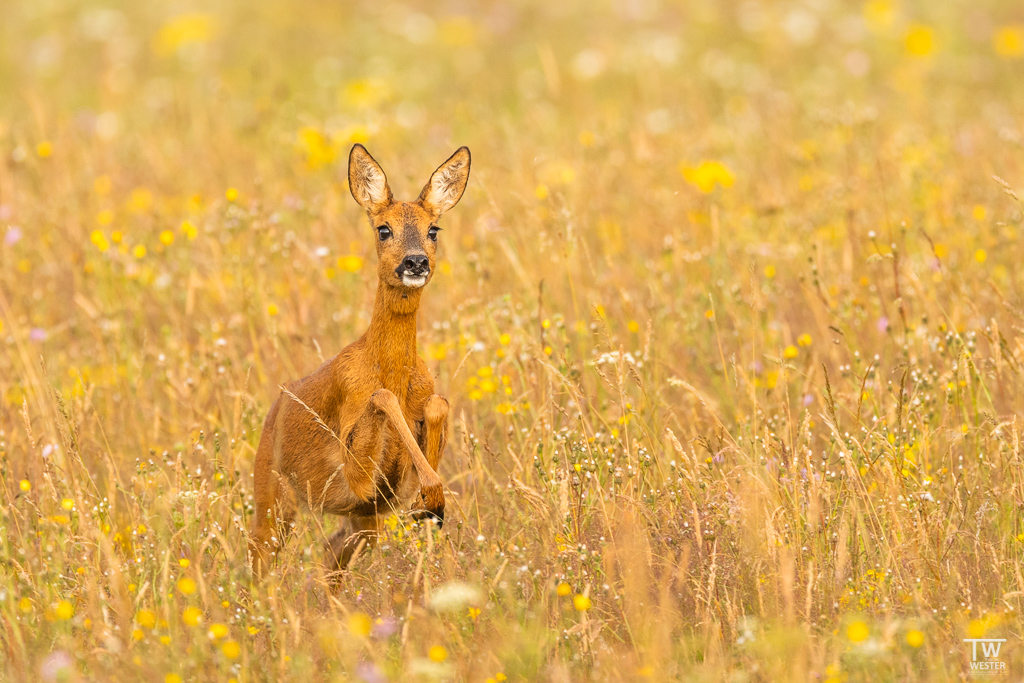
x=730, y=318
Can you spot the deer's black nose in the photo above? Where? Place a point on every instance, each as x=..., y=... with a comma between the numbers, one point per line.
x=415, y=264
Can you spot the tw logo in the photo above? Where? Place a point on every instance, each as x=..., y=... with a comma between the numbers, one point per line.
x=990, y=664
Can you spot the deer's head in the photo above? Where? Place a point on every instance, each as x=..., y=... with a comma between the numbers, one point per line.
x=407, y=232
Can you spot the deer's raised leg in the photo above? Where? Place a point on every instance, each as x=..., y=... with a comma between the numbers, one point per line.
x=430, y=483
x=433, y=439
x=366, y=444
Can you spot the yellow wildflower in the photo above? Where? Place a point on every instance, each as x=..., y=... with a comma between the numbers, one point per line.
x=318, y=149
x=1008, y=41
x=359, y=624
x=141, y=199
x=364, y=92
x=977, y=628
x=183, y=30
x=879, y=14
x=858, y=631
x=65, y=610
x=192, y=616
x=351, y=263
x=920, y=40
x=706, y=175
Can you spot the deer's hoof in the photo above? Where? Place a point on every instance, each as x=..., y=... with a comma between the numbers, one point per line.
x=436, y=515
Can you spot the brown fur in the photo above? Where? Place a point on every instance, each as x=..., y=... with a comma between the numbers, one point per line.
x=383, y=428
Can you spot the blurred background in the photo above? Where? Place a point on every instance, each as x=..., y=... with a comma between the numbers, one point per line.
x=731, y=296
x=610, y=142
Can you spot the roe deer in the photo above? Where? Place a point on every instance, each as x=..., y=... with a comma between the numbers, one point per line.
x=360, y=434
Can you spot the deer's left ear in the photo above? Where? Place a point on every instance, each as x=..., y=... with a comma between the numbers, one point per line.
x=445, y=187
x=366, y=180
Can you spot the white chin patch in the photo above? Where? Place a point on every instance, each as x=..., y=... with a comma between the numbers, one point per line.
x=414, y=281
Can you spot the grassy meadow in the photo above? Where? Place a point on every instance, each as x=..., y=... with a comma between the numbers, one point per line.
x=730, y=318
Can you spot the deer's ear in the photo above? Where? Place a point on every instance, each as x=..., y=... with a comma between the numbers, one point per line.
x=367, y=181
x=446, y=185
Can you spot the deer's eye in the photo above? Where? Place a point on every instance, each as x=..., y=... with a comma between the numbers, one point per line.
x=384, y=232
x=432, y=233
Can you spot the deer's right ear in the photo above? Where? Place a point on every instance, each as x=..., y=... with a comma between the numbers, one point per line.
x=447, y=183
x=367, y=181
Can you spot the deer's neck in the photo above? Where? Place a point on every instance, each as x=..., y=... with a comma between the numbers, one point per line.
x=391, y=339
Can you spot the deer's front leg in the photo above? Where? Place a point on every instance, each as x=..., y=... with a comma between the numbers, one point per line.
x=435, y=429
x=430, y=483
x=433, y=439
